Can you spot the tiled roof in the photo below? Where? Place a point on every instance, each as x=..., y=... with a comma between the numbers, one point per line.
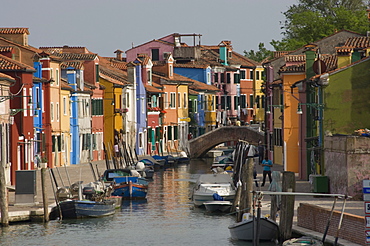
x=75, y=56
x=66, y=49
x=14, y=30
x=331, y=62
x=199, y=86
x=295, y=58
x=65, y=85
x=122, y=65
x=75, y=64
x=4, y=76
x=278, y=54
x=5, y=49
x=293, y=69
x=10, y=64
x=192, y=92
x=28, y=47
x=111, y=73
x=357, y=42
x=152, y=89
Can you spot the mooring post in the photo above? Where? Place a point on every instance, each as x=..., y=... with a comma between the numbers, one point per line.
x=3, y=190
x=287, y=206
x=44, y=195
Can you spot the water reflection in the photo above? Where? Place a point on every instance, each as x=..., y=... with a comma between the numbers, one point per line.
x=166, y=217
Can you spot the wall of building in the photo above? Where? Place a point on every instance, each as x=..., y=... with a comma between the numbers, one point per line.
x=315, y=218
x=347, y=163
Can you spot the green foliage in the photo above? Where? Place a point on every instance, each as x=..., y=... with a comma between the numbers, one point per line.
x=259, y=55
x=311, y=20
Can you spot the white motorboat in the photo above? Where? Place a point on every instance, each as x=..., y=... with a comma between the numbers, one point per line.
x=209, y=184
x=246, y=229
x=218, y=206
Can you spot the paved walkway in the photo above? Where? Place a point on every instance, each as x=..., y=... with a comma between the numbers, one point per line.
x=83, y=172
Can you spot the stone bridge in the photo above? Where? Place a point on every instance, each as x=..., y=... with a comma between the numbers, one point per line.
x=199, y=146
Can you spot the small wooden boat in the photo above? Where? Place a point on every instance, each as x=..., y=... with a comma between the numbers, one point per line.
x=245, y=230
x=125, y=184
x=77, y=209
x=303, y=241
x=130, y=187
x=218, y=206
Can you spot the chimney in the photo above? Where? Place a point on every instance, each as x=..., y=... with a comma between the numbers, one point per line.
x=118, y=55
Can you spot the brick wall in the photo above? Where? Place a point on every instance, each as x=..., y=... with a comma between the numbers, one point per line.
x=315, y=218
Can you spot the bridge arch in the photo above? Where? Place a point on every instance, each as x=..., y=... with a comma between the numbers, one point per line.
x=199, y=146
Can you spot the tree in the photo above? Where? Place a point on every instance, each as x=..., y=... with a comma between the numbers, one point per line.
x=259, y=55
x=312, y=20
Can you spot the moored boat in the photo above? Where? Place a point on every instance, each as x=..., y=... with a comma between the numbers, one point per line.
x=77, y=209
x=303, y=241
x=209, y=184
x=245, y=230
x=218, y=206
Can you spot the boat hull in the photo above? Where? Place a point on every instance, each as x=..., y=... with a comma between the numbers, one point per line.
x=218, y=206
x=245, y=230
x=130, y=188
x=200, y=199
x=77, y=209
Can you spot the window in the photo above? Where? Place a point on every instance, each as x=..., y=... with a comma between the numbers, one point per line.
x=208, y=77
x=58, y=114
x=64, y=106
x=213, y=103
x=228, y=102
x=52, y=112
x=175, y=132
x=97, y=73
x=169, y=131
x=166, y=100
x=263, y=101
x=140, y=139
x=222, y=78
x=155, y=54
x=228, y=78
x=258, y=102
x=223, y=104
x=251, y=73
x=171, y=71
x=278, y=140
x=243, y=101
x=173, y=100
x=257, y=75
x=216, y=77
x=251, y=103
x=57, y=76
x=149, y=75
x=242, y=74
x=236, y=101
x=179, y=99
x=185, y=100
x=195, y=103
x=236, y=78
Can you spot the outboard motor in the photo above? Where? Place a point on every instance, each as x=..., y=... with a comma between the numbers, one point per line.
x=88, y=192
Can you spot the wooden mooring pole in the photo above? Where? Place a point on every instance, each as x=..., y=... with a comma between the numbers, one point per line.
x=287, y=206
x=3, y=191
x=44, y=194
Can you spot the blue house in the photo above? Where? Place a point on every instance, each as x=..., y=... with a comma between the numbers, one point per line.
x=71, y=74
x=37, y=106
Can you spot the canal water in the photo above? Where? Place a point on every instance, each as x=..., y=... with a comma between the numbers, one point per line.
x=166, y=217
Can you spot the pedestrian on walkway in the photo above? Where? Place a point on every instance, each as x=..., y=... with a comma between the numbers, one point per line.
x=267, y=165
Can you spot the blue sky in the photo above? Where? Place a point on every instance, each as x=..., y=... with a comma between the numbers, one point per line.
x=108, y=25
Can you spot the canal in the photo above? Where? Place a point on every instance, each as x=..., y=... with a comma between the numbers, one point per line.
x=167, y=217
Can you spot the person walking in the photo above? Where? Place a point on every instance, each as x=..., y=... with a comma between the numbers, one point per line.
x=267, y=165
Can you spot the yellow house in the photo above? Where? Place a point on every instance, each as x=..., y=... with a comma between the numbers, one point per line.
x=65, y=122
x=290, y=133
x=259, y=102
